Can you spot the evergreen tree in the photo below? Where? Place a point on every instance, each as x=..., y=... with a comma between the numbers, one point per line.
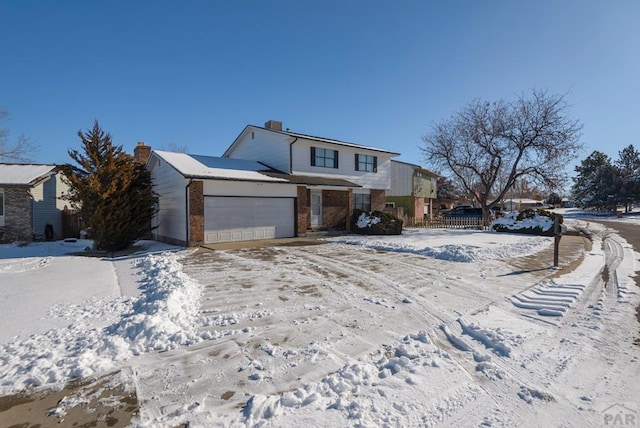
x=629, y=167
x=448, y=192
x=111, y=191
x=597, y=184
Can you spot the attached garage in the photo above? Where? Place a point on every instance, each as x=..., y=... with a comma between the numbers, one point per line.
x=235, y=218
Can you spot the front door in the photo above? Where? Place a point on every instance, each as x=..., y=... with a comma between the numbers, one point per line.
x=1, y=207
x=316, y=208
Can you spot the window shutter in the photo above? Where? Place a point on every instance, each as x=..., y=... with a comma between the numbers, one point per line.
x=335, y=159
x=375, y=164
x=357, y=160
x=313, y=156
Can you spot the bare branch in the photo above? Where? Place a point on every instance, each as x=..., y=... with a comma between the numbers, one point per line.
x=22, y=150
x=489, y=147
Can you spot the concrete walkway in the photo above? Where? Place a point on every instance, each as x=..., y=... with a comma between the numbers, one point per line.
x=281, y=242
x=570, y=255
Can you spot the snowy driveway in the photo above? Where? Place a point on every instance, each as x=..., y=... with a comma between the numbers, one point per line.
x=430, y=328
x=350, y=335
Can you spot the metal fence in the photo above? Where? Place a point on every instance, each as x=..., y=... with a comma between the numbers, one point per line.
x=446, y=223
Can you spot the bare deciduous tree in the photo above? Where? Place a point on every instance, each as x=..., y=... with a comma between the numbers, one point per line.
x=20, y=151
x=489, y=147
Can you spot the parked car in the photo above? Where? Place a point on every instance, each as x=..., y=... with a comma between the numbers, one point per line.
x=464, y=212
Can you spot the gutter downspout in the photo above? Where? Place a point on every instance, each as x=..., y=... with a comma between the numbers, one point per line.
x=295, y=208
x=186, y=200
x=291, y=155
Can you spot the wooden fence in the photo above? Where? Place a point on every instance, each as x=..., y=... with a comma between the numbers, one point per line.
x=70, y=224
x=446, y=223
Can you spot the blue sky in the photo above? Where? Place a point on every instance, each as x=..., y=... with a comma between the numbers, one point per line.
x=194, y=73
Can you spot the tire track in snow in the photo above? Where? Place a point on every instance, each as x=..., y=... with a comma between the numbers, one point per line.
x=439, y=322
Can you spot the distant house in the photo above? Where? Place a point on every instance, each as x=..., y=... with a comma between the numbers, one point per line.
x=269, y=183
x=566, y=203
x=519, y=204
x=30, y=203
x=413, y=189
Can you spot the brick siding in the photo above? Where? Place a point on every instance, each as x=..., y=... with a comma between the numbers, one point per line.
x=378, y=199
x=196, y=213
x=302, y=210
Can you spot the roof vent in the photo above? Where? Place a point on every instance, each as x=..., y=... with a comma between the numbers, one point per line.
x=274, y=125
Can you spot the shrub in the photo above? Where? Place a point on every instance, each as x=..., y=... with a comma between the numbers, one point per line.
x=529, y=221
x=375, y=223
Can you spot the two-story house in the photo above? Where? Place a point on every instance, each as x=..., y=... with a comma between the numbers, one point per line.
x=270, y=183
x=332, y=177
x=413, y=189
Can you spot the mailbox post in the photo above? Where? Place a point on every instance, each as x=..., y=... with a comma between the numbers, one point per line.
x=557, y=234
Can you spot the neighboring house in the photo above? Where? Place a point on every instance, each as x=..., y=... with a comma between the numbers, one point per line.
x=332, y=177
x=413, y=188
x=30, y=199
x=566, y=203
x=269, y=183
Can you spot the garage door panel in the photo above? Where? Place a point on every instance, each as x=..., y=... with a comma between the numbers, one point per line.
x=230, y=219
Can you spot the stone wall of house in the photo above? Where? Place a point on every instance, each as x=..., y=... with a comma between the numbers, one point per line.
x=18, y=214
x=196, y=213
x=378, y=199
x=335, y=208
x=302, y=210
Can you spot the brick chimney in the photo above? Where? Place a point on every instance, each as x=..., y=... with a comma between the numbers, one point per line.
x=142, y=152
x=274, y=125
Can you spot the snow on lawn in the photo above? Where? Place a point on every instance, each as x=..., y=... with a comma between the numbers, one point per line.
x=456, y=245
x=82, y=293
x=434, y=331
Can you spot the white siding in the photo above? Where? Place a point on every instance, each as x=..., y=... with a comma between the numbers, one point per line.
x=264, y=146
x=245, y=188
x=171, y=220
x=346, y=164
x=48, y=205
x=61, y=189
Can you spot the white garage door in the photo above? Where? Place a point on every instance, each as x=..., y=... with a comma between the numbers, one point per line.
x=244, y=219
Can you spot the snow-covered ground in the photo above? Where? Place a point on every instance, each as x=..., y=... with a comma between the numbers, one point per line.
x=430, y=328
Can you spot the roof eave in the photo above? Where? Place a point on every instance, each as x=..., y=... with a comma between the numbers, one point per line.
x=237, y=140
x=328, y=140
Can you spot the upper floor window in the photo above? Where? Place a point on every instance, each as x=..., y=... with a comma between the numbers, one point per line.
x=324, y=157
x=366, y=163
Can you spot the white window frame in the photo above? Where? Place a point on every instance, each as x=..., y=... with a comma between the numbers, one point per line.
x=366, y=163
x=324, y=158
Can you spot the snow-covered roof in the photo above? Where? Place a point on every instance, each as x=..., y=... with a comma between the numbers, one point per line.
x=15, y=174
x=526, y=201
x=198, y=166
